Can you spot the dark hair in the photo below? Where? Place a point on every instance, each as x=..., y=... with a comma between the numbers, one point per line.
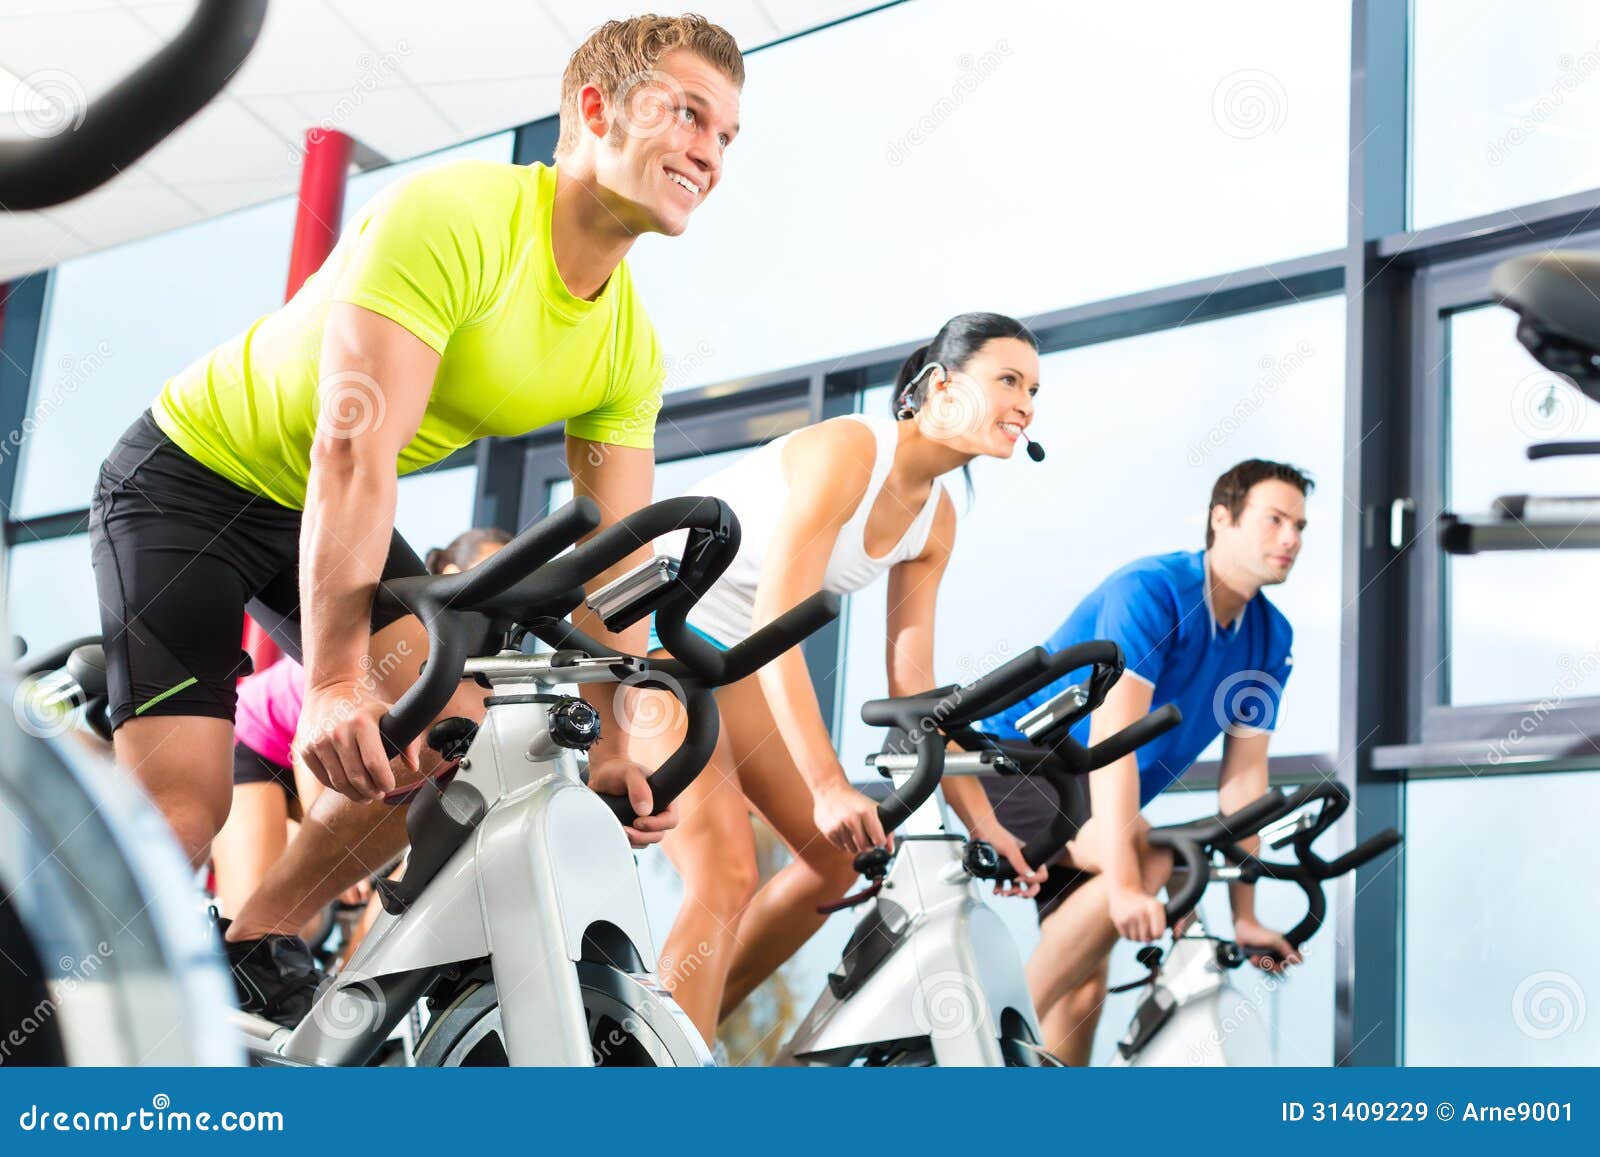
x=1233, y=488
x=464, y=549
x=952, y=347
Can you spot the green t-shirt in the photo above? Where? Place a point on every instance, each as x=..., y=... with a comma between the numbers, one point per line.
x=461, y=257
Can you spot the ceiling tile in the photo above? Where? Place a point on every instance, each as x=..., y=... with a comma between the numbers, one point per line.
x=132, y=205
x=794, y=16
x=395, y=121
x=744, y=18
x=222, y=141
x=465, y=39
x=217, y=197
x=87, y=52
x=488, y=106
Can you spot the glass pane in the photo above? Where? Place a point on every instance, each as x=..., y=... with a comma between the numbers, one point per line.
x=963, y=167
x=119, y=323
x=51, y=592
x=1118, y=486
x=1519, y=624
x=434, y=506
x=1504, y=105
x=1501, y=963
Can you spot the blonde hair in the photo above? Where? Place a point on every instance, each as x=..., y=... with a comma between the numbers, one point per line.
x=619, y=52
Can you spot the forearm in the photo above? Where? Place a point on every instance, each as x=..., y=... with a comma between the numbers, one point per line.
x=605, y=697
x=1114, y=802
x=1240, y=785
x=344, y=540
x=966, y=797
x=786, y=685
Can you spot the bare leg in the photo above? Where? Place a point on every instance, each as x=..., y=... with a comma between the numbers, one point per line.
x=249, y=843
x=341, y=841
x=1069, y=1024
x=713, y=849
x=1076, y=939
x=185, y=764
x=783, y=914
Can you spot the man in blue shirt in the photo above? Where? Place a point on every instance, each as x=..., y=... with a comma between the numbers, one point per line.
x=1194, y=630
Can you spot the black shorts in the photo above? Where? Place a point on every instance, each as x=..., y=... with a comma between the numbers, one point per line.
x=250, y=766
x=180, y=553
x=1025, y=807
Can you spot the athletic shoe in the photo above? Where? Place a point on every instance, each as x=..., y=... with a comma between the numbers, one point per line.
x=275, y=976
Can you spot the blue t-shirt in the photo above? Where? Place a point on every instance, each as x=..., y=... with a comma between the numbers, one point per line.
x=1158, y=610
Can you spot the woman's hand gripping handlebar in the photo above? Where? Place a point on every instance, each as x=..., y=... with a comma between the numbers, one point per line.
x=526, y=583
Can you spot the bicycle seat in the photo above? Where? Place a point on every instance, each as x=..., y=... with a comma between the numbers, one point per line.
x=1557, y=296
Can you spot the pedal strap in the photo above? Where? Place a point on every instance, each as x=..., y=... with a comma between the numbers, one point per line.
x=851, y=900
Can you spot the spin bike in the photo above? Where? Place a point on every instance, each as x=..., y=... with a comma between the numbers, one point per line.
x=1192, y=1014
x=930, y=975
x=519, y=921
x=1554, y=296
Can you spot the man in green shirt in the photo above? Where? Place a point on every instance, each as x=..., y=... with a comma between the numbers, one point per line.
x=476, y=299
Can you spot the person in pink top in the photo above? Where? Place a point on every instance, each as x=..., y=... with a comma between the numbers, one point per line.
x=269, y=792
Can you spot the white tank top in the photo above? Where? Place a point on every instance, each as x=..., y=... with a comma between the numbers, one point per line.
x=756, y=489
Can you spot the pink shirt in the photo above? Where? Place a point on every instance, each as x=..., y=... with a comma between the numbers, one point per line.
x=269, y=709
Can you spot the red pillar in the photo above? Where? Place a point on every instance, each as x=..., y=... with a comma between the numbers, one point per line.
x=316, y=229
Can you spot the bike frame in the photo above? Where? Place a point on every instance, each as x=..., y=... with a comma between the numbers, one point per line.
x=931, y=960
x=544, y=882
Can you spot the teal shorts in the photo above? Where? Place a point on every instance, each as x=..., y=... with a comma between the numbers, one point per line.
x=655, y=639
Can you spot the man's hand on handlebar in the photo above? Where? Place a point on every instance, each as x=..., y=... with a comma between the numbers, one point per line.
x=1137, y=916
x=611, y=772
x=1249, y=934
x=1027, y=880
x=338, y=739
x=848, y=819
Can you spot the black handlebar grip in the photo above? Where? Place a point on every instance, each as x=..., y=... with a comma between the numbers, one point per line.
x=911, y=795
x=1134, y=736
x=1197, y=873
x=787, y=630
x=137, y=113
x=1367, y=850
x=675, y=775
x=421, y=703
x=982, y=699
x=1252, y=817
x=1000, y=688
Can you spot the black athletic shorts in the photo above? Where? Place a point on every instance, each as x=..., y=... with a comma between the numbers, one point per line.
x=1025, y=807
x=250, y=766
x=180, y=553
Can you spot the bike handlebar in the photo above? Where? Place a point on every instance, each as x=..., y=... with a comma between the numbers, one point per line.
x=135, y=115
x=526, y=581
x=1192, y=841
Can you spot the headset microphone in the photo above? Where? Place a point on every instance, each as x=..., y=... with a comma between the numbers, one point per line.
x=1035, y=451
